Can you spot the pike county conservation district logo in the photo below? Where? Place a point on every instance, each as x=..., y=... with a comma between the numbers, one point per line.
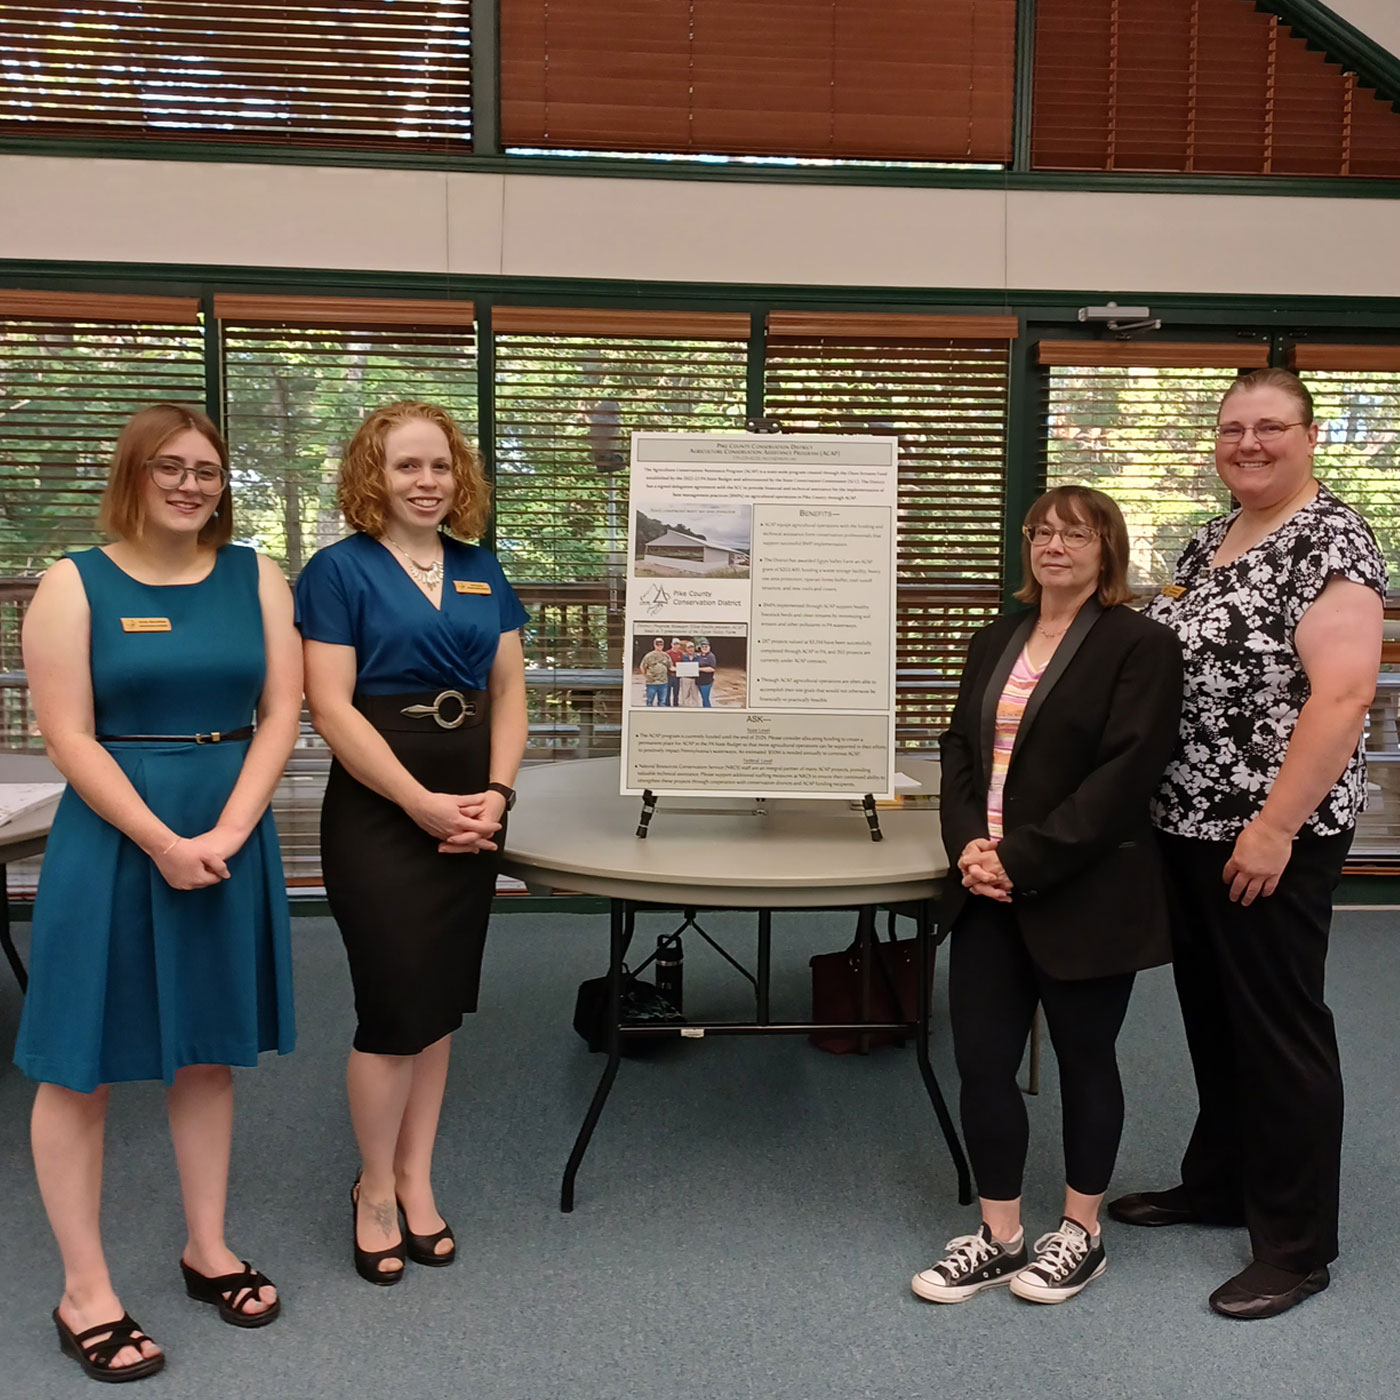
x=655, y=599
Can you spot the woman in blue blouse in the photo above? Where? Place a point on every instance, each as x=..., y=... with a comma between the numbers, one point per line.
x=415, y=677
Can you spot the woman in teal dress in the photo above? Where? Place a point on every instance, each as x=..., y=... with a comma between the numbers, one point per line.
x=160, y=941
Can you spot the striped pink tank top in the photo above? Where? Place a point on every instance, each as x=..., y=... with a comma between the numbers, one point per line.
x=1012, y=705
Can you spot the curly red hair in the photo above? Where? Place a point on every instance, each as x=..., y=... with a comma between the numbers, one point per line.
x=364, y=498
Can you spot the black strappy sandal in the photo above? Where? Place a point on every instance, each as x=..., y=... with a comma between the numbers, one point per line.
x=96, y=1357
x=231, y=1294
x=367, y=1261
x=423, y=1249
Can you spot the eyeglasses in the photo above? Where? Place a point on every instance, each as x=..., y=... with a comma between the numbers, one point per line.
x=1267, y=431
x=1071, y=536
x=169, y=474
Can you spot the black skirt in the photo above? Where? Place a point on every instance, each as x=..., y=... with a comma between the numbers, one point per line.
x=413, y=921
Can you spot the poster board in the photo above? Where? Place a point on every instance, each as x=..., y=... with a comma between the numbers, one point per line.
x=768, y=563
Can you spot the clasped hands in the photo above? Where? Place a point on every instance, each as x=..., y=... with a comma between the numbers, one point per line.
x=464, y=823
x=983, y=872
x=196, y=862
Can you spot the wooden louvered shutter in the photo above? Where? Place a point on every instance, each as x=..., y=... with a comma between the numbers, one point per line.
x=73, y=369
x=571, y=388
x=842, y=79
x=1207, y=86
x=938, y=383
x=358, y=74
x=1137, y=421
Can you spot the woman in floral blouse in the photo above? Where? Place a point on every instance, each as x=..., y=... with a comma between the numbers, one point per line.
x=1278, y=606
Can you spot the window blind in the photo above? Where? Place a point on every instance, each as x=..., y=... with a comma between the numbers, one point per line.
x=571, y=388
x=945, y=399
x=301, y=374
x=361, y=73
x=1205, y=86
x=72, y=371
x=841, y=79
x=1145, y=435
x=1358, y=445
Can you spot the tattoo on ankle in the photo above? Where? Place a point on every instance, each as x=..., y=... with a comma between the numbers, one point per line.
x=384, y=1216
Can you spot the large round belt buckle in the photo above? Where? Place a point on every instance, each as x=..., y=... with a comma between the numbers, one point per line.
x=463, y=710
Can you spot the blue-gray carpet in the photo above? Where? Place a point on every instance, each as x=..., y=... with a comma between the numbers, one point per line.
x=747, y=1223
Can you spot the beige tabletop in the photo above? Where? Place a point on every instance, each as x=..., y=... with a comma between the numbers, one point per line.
x=571, y=830
x=26, y=834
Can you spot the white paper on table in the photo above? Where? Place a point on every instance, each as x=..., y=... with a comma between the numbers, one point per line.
x=18, y=798
x=903, y=780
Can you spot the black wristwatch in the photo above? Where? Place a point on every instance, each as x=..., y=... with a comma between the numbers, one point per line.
x=507, y=792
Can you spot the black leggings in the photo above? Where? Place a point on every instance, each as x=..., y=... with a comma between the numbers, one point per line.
x=993, y=989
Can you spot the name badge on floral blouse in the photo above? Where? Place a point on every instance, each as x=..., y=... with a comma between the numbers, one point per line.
x=1172, y=590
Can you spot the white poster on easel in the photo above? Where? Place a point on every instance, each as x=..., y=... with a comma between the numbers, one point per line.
x=760, y=654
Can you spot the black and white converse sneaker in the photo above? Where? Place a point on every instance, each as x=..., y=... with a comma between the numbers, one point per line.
x=973, y=1262
x=1066, y=1261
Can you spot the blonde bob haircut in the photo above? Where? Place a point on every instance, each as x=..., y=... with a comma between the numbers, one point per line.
x=1082, y=505
x=364, y=496
x=123, y=511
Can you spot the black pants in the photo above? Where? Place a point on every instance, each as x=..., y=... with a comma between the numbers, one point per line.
x=993, y=989
x=1268, y=1139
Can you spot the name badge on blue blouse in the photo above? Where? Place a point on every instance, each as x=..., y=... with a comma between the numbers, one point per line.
x=145, y=624
x=466, y=585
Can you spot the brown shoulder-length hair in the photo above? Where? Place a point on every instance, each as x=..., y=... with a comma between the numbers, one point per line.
x=364, y=498
x=123, y=512
x=1083, y=506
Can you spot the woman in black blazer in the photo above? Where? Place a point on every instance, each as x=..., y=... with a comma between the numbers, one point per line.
x=1065, y=718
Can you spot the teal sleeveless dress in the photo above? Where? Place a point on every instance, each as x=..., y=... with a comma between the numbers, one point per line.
x=129, y=978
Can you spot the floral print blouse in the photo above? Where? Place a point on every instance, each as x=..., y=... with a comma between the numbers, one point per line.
x=1244, y=682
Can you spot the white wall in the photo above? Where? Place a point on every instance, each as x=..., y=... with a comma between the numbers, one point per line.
x=693, y=231
x=1380, y=19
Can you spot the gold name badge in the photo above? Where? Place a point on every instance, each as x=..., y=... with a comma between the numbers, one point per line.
x=1172, y=590
x=145, y=624
x=466, y=585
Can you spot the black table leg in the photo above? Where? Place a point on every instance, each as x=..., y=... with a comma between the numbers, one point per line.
x=621, y=924
x=945, y=1121
x=6, y=941
x=765, y=958
x=865, y=938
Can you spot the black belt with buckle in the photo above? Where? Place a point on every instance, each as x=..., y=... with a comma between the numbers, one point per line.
x=215, y=736
x=418, y=714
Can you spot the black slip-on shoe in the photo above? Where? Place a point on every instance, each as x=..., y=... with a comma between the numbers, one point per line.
x=1172, y=1207
x=1262, y=1290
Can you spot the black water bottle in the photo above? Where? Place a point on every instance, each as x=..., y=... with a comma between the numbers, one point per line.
x=670, y=970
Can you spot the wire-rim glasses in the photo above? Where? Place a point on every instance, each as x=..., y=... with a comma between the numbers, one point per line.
x=1267, y=431
x=1071, y=536
x=169, y=474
